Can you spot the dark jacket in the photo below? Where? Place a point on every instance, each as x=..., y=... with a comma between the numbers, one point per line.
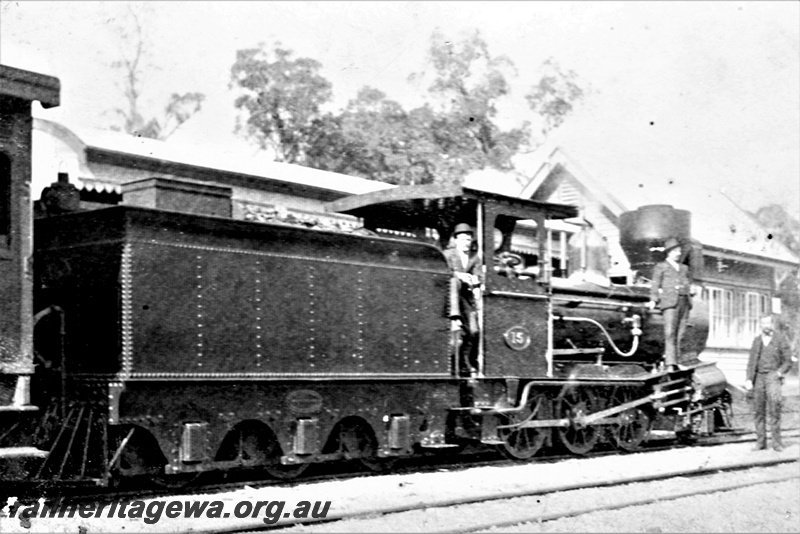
x=454, y=262
x=774, y=357
x=668, y=284
x=461, y=303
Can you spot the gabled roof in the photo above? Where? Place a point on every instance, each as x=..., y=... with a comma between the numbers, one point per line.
x=717, y=221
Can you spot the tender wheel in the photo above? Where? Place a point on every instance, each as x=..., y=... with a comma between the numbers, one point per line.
x=523, y=444
x=178, y=481
x=269, y=455
x=354, y=440
x=285, y=472
x=258, y=448
x=633, y=425
x=139, y=456
x=574, y=404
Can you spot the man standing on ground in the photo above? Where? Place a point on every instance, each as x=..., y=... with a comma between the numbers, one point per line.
x=769, y=361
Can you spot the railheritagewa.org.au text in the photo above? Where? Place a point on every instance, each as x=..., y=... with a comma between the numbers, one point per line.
x=152, y=511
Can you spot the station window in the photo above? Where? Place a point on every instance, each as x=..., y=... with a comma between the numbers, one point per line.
x=734, y=315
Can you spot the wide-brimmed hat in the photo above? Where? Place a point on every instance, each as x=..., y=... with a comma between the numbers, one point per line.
x=463, y=228
x=670, y=244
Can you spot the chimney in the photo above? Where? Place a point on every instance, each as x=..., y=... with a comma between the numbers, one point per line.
x=644, y=231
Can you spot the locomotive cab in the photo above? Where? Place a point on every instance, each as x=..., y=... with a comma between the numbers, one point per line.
x=513, y=247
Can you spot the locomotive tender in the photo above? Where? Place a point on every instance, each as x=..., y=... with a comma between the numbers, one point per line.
x=172, y=343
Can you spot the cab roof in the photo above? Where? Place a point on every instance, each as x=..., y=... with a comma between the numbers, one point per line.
x=433, y=205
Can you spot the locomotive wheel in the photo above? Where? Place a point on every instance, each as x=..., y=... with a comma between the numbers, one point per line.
x=177, y=481
x=139, y=457
x=633, y=426
x=265, y=451
x=285, y=472
x=523, y=444
x=575, y=403
x=355, y=440
x=258, y=448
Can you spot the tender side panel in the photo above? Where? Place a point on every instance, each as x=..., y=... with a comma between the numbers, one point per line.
x=272, y=305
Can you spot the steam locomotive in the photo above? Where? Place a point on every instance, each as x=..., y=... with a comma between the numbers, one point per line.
x=164, y=344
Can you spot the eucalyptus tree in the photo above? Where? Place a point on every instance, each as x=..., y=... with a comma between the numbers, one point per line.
x=280, y=100
x=453, y=133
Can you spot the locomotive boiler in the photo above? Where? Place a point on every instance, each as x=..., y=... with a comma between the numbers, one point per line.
x=165, y=343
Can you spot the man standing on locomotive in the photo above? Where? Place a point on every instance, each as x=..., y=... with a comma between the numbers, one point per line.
x=769, y=360
x=463, y=263
x=671, y=292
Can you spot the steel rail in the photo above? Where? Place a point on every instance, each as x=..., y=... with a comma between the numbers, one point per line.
x=91, y=493
x=541, y=518
x=260, y=526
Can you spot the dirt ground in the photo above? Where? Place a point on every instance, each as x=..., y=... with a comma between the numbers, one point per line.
x=761, y=508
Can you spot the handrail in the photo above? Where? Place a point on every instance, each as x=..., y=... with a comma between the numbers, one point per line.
x=636, y=333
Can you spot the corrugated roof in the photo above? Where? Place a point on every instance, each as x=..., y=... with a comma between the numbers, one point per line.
x=224, y=160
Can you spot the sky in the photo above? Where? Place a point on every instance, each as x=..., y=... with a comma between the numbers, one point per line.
x=688, y=92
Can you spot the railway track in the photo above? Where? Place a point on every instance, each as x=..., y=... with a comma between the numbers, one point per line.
x=217, y=483
x=436, y=491
x=645, y=501
x=436, y=507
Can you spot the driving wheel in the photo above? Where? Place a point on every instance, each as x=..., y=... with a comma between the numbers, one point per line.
x=632, y=426
x=524, y=443
x=574, y=404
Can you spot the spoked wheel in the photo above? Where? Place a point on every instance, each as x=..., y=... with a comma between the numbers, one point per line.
x=258, y=448
x=632, y=425
x=524, y=443
x=356, y=441
x=574, y=404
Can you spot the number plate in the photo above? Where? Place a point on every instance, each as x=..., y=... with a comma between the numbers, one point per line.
x=517, y=337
